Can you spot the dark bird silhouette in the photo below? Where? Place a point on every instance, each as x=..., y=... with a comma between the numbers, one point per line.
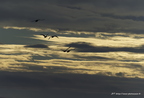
x=45, y=35
x=67, y=50
x=52, y=36
x=37, y=20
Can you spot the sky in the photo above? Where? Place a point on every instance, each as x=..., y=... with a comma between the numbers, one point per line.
x=106, y=57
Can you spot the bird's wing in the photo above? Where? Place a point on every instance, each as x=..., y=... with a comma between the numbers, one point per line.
x=67, y=48
x=68, y=51
x=64, y=50
x=56, y=36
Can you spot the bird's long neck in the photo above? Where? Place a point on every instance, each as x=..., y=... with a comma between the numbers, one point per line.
x=67, y=48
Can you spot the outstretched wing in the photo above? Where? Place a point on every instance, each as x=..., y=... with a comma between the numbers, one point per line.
x=55, y=36
x=68, y=51
x=68, y=48
x=63, y=50
x=36, y=20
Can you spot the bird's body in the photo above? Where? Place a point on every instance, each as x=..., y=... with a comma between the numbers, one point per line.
x=37, y=20
x=53, y=36
x=45, y=36
x=67, y=50
x=64, y=50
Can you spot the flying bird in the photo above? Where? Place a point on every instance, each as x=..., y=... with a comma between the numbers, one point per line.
x=45, y=35
x=37, y=20
x=67, y=50
x=52, y=36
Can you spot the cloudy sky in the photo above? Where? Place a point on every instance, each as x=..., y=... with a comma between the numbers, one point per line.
x=106, y=54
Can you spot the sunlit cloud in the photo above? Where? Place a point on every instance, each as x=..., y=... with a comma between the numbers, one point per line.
x=99, y=35
x=49, y=57
x=113, y=42
x=78, y=32
x=120, y=64
x=48, y=30
x=109, y=68
x=30, y=28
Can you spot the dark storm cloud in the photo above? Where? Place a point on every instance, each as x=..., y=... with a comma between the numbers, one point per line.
x=37, y=46
x=135, y=18
x=78, y=15
x=71, y=7
x=103, y=3
x=88, y=47
x=93, y=85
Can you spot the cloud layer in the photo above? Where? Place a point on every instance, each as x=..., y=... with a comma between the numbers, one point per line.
x=87, y=47
x=106, y=39
x=84, y=85
x=98, y=16
x=37, y=46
